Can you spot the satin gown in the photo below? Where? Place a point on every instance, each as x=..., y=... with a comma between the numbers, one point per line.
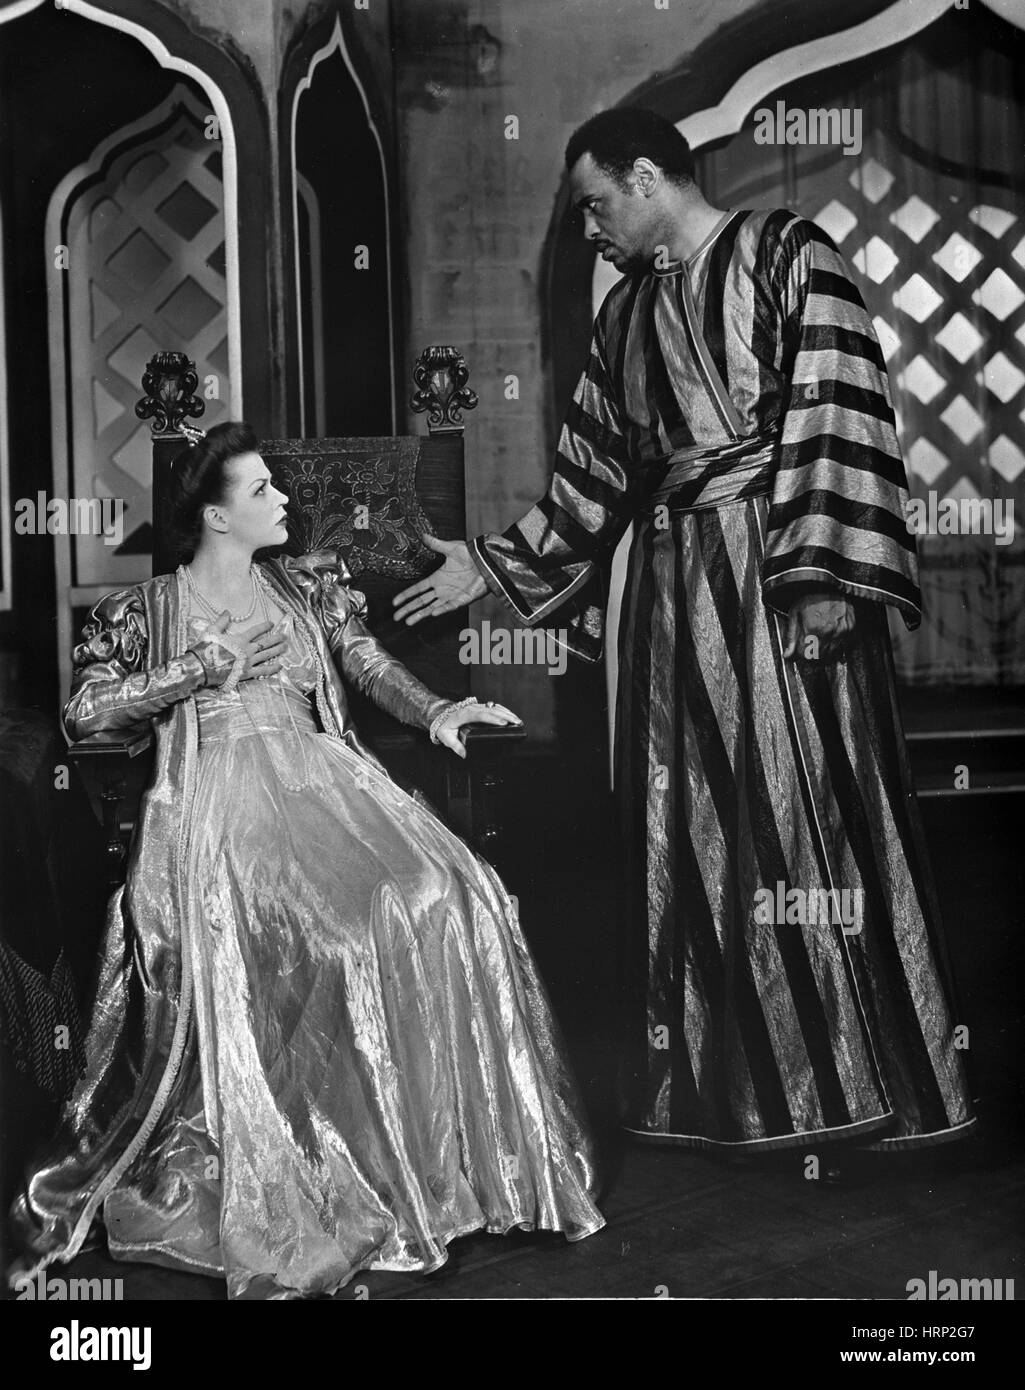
x=374, y=1069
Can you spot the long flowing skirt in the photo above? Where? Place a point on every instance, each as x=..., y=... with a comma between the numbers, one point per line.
x=373, y=1069
x=761, y=1016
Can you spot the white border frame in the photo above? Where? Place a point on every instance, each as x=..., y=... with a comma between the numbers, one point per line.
x=336, y=44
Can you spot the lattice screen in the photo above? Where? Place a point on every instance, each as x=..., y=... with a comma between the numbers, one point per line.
x=927, y=318
x=143, y=221
x=943, y=276
x=930, y=214
x=146, y=243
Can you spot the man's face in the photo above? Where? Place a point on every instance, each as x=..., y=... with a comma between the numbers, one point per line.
x=618, y=221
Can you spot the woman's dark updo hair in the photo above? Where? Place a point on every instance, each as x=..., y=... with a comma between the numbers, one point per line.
x=198, y=479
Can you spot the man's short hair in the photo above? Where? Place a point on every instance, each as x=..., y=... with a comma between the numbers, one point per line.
x=614, y=139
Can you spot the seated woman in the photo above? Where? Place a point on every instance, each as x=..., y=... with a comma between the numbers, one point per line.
x=319, y=1044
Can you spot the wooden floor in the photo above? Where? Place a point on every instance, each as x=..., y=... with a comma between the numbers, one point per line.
x=683, y=1224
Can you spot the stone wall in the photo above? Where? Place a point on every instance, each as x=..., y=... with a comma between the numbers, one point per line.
x=474, y=208
x=477, y=207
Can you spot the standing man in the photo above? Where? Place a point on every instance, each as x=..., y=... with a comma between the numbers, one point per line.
x=788, y=968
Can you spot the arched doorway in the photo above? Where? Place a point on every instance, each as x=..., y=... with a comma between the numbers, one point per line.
x=342, y=229
x=142, y=221
x=68, y=55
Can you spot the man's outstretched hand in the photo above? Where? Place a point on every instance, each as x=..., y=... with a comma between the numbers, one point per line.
x=456, y=584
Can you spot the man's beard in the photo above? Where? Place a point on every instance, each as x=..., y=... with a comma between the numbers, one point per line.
x=633, y=263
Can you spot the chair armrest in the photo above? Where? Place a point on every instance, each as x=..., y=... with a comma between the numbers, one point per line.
x=113, y=772
x=479, y=738
x=127, y=744
x=474, y=785
x=485, y=739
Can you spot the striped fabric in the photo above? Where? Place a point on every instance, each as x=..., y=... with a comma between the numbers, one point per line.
x=838, y=514
x=785, y=954
x=775, y=313
x=738, y=774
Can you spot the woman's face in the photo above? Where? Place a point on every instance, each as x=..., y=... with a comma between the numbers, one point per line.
x=253, y=510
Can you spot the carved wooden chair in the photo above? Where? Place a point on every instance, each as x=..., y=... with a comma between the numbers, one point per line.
x=372, y=499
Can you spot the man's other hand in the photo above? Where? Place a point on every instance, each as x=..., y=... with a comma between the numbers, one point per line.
x=819, y=626
x=457, y=583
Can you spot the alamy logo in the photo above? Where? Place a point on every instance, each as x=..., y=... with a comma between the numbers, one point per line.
x=523, y=646
x=810, y=907
x=817, y=126
x=71, y=516
x=982, y=1290
x=78, y=1343
x=961, y=516
x=47, y=1289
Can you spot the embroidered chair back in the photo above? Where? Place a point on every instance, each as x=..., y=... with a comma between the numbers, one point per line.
x=373, y=499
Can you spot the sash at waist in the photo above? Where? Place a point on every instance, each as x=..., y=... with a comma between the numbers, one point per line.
x=700, y=478
x=256, y=707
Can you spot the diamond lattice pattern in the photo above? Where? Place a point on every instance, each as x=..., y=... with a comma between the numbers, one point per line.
x=146, y=274
x=945, y=282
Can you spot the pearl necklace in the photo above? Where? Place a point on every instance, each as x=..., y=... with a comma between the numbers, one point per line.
x=205, y=602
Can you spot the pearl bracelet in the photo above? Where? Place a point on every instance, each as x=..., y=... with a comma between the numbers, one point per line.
x=235, y=674
x=233, y=645
x=439, y=719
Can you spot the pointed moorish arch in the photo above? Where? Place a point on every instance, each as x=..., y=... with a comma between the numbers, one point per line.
x=230, y=87
x=707, y=97
x=103, y=327
x=156, y=44
x=715, y=89
x=328, y=38
x=228, y=79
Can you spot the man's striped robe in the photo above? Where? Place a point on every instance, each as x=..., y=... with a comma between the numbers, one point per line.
x=788, y=971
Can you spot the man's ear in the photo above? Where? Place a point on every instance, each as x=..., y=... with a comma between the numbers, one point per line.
x=647, y=174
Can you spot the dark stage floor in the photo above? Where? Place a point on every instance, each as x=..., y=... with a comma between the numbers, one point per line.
x=685, y=1224
x=684, y=1227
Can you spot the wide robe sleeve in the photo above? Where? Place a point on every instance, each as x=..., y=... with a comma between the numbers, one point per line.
x=837, y=517
x=363, y=662
x=113, y=688
x=547, y=557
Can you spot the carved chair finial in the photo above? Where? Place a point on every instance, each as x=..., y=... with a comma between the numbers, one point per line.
x=440, y=376
x=169, y=381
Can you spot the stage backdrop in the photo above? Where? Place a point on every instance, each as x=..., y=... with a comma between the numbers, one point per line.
x=930, y=212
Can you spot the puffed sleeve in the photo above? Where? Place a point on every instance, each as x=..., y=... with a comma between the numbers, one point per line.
x=113, y=687
x=363, y=662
